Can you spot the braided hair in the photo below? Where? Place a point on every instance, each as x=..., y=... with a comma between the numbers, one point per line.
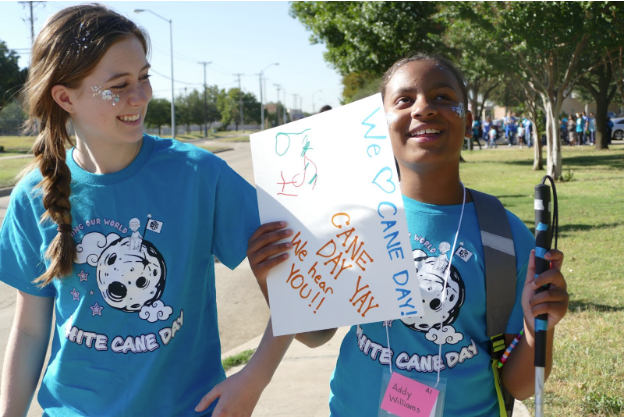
x=68, y=48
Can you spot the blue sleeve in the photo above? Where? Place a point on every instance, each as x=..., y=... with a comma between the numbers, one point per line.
x=524, y=242
x=236, y=217
x=21, y=256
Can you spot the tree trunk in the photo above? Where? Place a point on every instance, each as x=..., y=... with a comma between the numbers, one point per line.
x=601, y=121
x=554, y=151
x=538, y=147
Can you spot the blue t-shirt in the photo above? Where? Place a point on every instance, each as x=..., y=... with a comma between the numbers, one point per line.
x=414, y=343
x=486, y=127
x=136, y=322
x=579, y=125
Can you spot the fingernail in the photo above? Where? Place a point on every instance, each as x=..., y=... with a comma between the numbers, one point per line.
x=288, y=232
x=282, y=224
x=285, y=255
x=288, y=244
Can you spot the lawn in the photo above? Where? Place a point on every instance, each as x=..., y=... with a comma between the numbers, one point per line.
x=587, y=378
x=16, y=144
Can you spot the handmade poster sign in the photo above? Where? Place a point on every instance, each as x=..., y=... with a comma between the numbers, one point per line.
x=332, y=177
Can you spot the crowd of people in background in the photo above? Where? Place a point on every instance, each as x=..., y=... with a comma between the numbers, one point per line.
x=579, y=129
x=576, y=129
x=516, y=130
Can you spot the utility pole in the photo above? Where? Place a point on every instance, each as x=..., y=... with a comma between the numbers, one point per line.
x=32, y=18
x=240, y=99
x=284, y=105
x=294, y=105
x=205, y=105
x=313, y=100
x=262, y=107
x=278, y=102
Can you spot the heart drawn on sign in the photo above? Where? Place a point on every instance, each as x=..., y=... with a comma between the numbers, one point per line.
x=383, y=185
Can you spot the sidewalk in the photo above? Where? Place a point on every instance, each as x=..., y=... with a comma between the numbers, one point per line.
x=301, y=384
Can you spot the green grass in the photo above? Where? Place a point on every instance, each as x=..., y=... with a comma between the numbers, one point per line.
x=9, y=168
x=587, y=377
x=238, y=359
x=16, y=144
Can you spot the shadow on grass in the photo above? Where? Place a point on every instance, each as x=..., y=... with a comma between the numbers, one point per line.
x=610, y=161
x=579, y=306
x=567, y=229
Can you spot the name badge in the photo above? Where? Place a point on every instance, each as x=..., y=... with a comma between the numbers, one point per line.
x=406, y=397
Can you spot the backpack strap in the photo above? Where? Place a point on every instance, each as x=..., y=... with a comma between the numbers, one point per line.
x=500, y=277
x=499, y=263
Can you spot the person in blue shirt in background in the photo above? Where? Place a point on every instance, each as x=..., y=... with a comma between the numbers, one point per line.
x=579, y=128
x=476, y=130
x=510, y=128
x=592, y=127
x=527, y=130
x=486, y=127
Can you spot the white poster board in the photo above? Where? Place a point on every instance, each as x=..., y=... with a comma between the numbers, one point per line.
x=332, y=177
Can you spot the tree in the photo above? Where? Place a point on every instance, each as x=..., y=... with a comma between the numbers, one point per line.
x=368, y=37
x=251, y=109
x=358, y=85
x=159, y=113
x=544, y=42
x=11, y=118
x=11, y=78
x=599, y=82
x=229, y=107
x=190, y=109
x=212, y=113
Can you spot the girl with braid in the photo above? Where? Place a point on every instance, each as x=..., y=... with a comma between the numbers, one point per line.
x=99, y=234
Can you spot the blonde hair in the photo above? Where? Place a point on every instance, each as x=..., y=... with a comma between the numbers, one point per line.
x=68, y=48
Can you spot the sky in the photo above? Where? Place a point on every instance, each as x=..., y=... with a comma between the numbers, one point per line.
x=237, y=37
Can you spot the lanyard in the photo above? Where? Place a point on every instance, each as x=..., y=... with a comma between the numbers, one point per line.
x=446, y=277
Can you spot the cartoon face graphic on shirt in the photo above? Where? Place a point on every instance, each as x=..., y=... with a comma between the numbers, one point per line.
x=130, y=279
x=442, y=302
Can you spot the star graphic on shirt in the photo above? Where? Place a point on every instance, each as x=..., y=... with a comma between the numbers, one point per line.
x=96, y=309
x=75, y=294
x=387, y=323
x=91, y=292
x=83, y=275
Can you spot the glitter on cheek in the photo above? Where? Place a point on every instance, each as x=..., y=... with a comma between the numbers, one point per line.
x=105, y=95
x=390, y=118
x=459, y=110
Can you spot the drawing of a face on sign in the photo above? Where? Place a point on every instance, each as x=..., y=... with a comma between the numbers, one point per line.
x=129, y=279
x=431, y=272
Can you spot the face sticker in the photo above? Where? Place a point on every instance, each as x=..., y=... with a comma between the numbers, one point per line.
x=390, y=118
x=105, y=95
x=459, y=110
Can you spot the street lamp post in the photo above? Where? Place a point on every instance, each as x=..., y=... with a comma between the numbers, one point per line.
x=262, y=106
x=313, y=99
x=171, y=44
